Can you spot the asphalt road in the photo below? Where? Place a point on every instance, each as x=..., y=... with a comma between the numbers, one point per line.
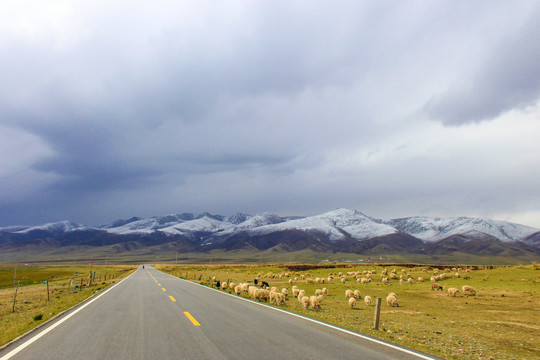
x=152, y=315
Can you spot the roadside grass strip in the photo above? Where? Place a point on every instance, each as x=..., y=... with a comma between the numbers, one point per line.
x=31, y=340
x=192, y=319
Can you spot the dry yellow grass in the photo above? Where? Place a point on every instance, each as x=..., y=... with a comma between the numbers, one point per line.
x=31, y=300
x=501, y=322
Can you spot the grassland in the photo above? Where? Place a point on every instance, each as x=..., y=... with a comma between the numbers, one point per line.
x=33, y=305
x=501, y=322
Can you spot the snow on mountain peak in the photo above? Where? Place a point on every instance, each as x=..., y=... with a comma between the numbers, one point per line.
x=435, y=228
x=61, y=226
x=336, y=224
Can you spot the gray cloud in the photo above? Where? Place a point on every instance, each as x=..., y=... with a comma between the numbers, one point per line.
x=136, y=109
x=508, y=78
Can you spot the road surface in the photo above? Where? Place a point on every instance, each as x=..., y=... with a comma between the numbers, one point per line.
x=152, y=315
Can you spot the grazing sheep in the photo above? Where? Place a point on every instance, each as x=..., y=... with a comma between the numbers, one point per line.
x=224, y=285
x=318, y=292
x=367, y=300
x=364, y=281
x=468, y=290
x=261, y=295
x=232, y=285
x=277, y=298
x=314, y=302
x=237, y=289
x=290, y=281
x=452, y=292
x=420, y=279
x=325, y=291
x=273, y=288
x=385, y=280
x=400, y=281
x=343, y=279
x=251, y=290
x=392, y=294
x=305, y=302
x=458, y=275
x=320, y=299
x=295, y=291
x=357, y=294
x=393, y=275
x=349, y=294
x=436, y=286
x=409, y=280
x=301, y=294
x=285, y=293
x=392, y=301
x=352, y=302
x=245, y=287
x=309, y=281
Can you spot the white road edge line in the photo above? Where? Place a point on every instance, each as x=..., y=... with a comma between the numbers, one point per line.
x=421, y=356
x=50, y=328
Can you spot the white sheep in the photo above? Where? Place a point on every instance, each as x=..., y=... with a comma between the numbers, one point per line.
x=261, y=295
x=301, y=294
x=357, y=294
x=295, y=291
x=245, y=287
x=436, y=286
x=352, y=302
x=285, y=293
x=392, y=301
x=314, y=302
x=251, y=290
x=420, y=279
x=305, y=302
x=237, y=289
x=318, y=292
x=367, y=300
x=349, y=294
x=468, y=290
x=224, y=285
x=277, y=298
x=325, y=291
x=452, y=292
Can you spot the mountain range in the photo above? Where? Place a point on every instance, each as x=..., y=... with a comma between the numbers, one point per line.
x=341, y=230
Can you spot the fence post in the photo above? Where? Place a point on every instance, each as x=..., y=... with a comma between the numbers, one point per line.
x=15, y=297
x=377, y=313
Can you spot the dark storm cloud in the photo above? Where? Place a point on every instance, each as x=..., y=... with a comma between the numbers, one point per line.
x=111, y=110
x=508, y=78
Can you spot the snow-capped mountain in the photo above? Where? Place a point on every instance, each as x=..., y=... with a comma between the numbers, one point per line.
x=341, y=230
x=337, y=224
x=61, y=226
x=434, y=228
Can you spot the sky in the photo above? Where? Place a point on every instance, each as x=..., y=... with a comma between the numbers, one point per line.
x=114, y=109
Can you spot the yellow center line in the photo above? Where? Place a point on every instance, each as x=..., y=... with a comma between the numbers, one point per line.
x=163, y=289
x=192, y=319
x=172, y=299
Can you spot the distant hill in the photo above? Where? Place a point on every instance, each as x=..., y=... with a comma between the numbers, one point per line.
x=341, y=230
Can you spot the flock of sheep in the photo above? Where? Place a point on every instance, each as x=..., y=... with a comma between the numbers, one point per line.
x=261, y=290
